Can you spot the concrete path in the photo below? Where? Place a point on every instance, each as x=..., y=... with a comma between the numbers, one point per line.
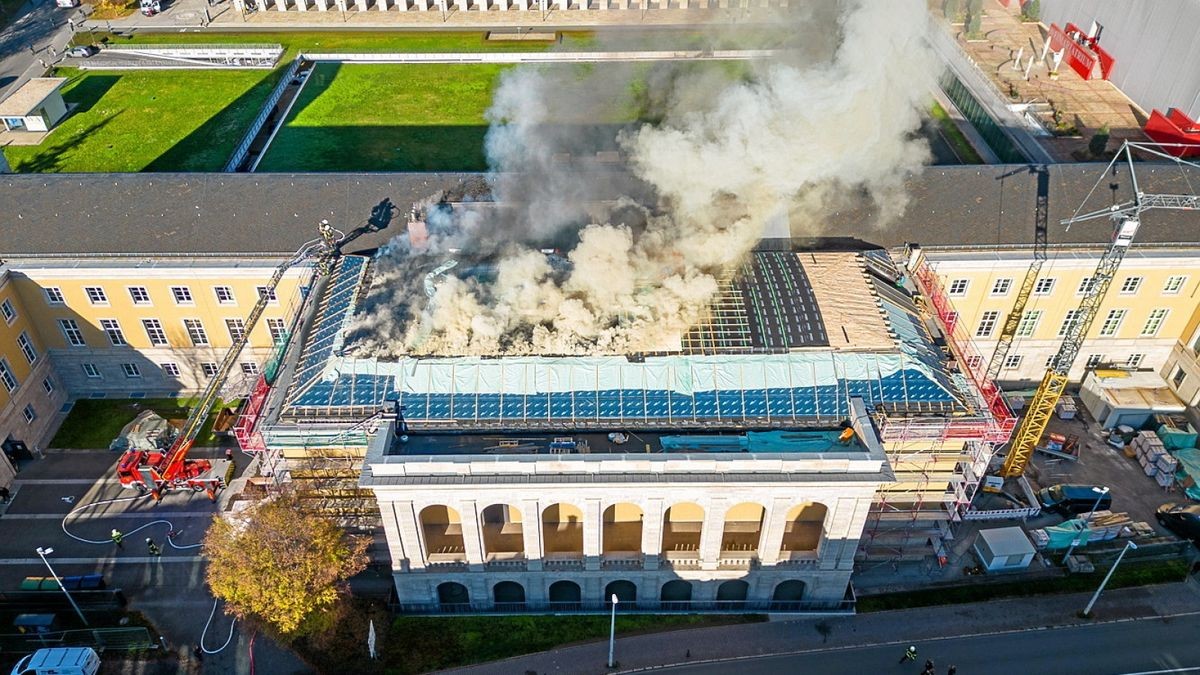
x=915, y=626
x=544, y=57
x=39, y=34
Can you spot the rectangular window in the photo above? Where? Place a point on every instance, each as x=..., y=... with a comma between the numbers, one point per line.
x=27, y=347
x=1131, y=285
x=1050, y=361
x=54, y=295
x=1002, y=286
x=237, y=329
x=96, y=295
x=1013, y=361
x=131, y=370
x=154, y=331
x=1029, y=323
x=1178, y=378
x=92, y=372
x=1085, y=286
x=974, y=362
x=1068, y=319
x=182, y=295
x=112, y=328
x=195, y=331
x=1093, y=360
x=224, y=295
x=209, y=369
x=1043, y=286
x=1135, y=360
x=29, y=413
x=48, y=385
x=987, y=324
x=1112, y=322
x=6, y=309
x=1175, y=284
x=250, y=368
x=71, y=332
x=268, y=293
x=139, y=295
x=170, y=369
x=6, y=375
x=1154, y=322
x=278, y=329
x=959, y=286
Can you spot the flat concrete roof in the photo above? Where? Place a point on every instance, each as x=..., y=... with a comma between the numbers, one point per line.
x=30, y=95
x=193, y=213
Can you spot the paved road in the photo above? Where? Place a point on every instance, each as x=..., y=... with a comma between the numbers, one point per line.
x=1144, y=646
x=41, y=26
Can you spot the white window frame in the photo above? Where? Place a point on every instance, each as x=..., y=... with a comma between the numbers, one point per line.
x=154, y=329
x=1013, y=361
x=183, y=296
x=989, y=318
x=196, y=330
x=1135, y=361
x=277, y=328
x=170, y=369
x=54, y=295
x=91, y=371
x=1112, y=322
x=272, y=297
x=111, y=328
x=226, y=290
x=1175, y=284
x=1131, y=285
x=1155, y=321
x=98, y=293
x=7, y=377
x=1093, y=361
x=71, y=333
x=143, y=292
x=29, y=413
x=131, y=370
x=48, y=385
x=957, y=288
x=1068, y=319
x=997, y=291
x=1028, y=324
x=249, y=368
x=1085, y=286
x=1050, y=283
x=208, y=369
x=235, y=326
x=25, y=344
x=8, y=311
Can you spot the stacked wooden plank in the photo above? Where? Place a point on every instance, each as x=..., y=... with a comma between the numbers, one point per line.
x=1109, y=525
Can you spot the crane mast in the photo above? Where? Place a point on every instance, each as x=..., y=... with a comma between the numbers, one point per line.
x=1126, y=217
x=161, y=471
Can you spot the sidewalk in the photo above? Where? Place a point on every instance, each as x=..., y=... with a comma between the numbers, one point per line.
x=39, y=34
x=899, y=627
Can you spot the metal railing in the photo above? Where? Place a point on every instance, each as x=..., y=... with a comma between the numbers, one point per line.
x=126, y=639
x=243, y=148
x=631, y=606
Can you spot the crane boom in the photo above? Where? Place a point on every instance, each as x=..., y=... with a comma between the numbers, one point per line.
x=1126, y=218
x=162, y=471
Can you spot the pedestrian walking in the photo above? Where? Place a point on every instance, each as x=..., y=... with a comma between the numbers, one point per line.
x=153, y=547
x=198, y=653
x=929, y=664
x=117, y=537
x=953, y=670
x=910, y=654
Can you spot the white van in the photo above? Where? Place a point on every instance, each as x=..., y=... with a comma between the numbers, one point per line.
x=59, y=661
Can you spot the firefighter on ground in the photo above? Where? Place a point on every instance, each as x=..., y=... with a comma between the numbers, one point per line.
x=117, y=537
x=152, y=547
x=910, y=654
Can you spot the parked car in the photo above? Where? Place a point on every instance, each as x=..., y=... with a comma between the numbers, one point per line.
x=1074, y=499
x=59, y=661
x=1182, y=519
x=83, y=51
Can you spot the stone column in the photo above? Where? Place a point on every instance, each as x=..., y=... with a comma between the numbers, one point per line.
x=652, y=525
x=593, y=534
x=836, y=528
x=239, y=6
x=322, y=5
x=381, y=5
x=409, y=532
x=481, y=5
x=523, y=5
x=281, y=5
x=622, y=4
x=563, y=4
x=391, y=530
x=302, y=5
x=774, y=525
x=472, y=535
x=853, y=534
x=711, y=533
x=462, y=5
x=361, y=4
x=531, y=531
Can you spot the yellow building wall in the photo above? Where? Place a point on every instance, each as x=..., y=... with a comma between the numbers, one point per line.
x=10, y=332
x=31, y=378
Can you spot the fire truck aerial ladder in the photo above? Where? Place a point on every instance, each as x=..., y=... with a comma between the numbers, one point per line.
x=158, y=472
x=1126, y=217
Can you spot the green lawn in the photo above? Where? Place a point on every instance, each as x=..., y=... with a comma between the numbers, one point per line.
x=148, y=121
x=423, y=644
x=95, y=422
x=962, y=147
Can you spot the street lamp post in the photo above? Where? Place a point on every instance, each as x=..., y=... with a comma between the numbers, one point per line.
x=42, y=553
x=612, y=633
x=1087, y=611
x=1100, y=492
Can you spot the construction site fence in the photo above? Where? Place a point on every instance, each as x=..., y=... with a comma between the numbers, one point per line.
x=1106, y=552
x=243, y=148
x=1003, y=514
x=121, y=639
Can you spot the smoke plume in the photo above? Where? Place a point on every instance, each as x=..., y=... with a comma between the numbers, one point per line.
x=722, y=152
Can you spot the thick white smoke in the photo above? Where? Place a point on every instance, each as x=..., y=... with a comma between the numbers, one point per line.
x=833, y=121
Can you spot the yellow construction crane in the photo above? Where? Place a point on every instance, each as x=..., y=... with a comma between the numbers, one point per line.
x=1126, y=217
